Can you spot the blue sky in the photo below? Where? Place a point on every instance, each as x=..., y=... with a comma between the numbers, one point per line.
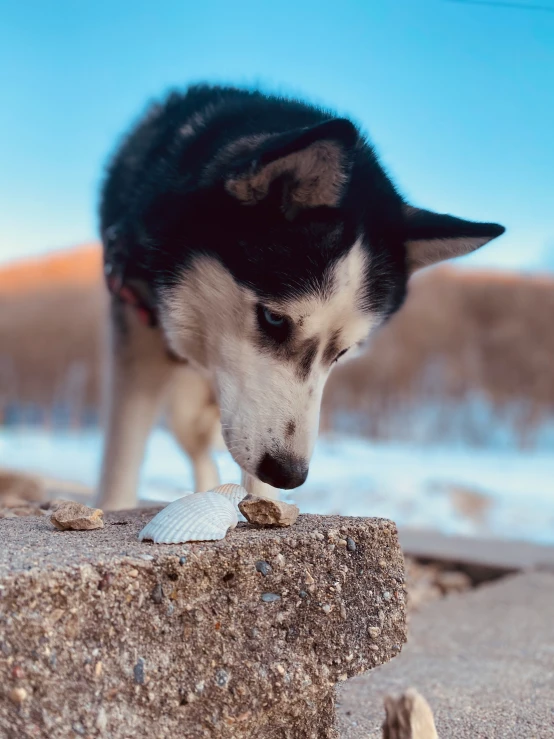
x=458, y=98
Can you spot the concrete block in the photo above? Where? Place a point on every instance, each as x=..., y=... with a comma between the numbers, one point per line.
x=104, y=636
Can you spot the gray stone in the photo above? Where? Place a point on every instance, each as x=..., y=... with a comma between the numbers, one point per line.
x=212, y=659
x=157, y=594
x=263, y=567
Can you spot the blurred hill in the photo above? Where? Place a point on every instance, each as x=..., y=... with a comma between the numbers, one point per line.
x=52, y=317
x=74, y=267
x=464, y=341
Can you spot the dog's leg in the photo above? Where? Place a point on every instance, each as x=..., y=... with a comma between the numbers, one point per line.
x=193, y=417
x=256, y=487
x=138, y=375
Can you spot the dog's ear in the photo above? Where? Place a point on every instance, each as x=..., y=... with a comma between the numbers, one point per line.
x=432, y=237
x=308, y=168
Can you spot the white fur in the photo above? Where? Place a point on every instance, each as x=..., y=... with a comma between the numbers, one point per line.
x=138, y=377
x=211, y=320
x=141, y=383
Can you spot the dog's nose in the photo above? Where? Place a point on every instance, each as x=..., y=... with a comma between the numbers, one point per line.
x=282, y=471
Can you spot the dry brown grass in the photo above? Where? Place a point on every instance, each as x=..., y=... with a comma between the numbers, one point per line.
x=51, y=320
x=459, y=333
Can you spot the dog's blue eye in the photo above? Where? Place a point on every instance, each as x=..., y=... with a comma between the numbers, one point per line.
x=274, y=326
x=274, y=319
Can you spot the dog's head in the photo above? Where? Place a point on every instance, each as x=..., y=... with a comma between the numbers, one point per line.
x=298, y=246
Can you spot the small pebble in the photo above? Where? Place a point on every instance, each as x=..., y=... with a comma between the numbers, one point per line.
x=77, y=517
x=18, y=695
x=327, y=608
x=374, y=631
x=98, y=669
x=106, y=581
x=270, y=597
x=280, y=669
x=221, y=678
x=133, y=573
x=350, y=544
x=342, y=543
x=266, y=512
x=78, y=728
x=303, y=594
x=101, y=719
x=157, y=594
x=147, y=557
x=387, y=595
x=5, y=649
x=182, y=560
x=138, y=672
x=263, y=567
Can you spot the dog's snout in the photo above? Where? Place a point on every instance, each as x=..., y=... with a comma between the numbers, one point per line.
x=282, y=471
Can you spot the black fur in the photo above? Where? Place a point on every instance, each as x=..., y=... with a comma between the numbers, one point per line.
x=165, y=200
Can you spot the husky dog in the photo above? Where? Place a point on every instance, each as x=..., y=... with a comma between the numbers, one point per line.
x=250, y=242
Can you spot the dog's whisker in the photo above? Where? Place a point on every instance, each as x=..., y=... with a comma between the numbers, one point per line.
x=235, y=447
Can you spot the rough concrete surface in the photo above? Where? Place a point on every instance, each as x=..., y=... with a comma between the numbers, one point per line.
x=101, y=635
x=484, y=660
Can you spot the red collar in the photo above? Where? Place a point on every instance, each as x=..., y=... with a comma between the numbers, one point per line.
x=134, y=298
x=127, y=294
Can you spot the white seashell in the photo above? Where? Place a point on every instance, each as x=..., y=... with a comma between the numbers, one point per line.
x=234, y=493
x=196, y=517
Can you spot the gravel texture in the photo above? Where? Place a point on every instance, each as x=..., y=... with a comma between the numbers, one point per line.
x=102, y=635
